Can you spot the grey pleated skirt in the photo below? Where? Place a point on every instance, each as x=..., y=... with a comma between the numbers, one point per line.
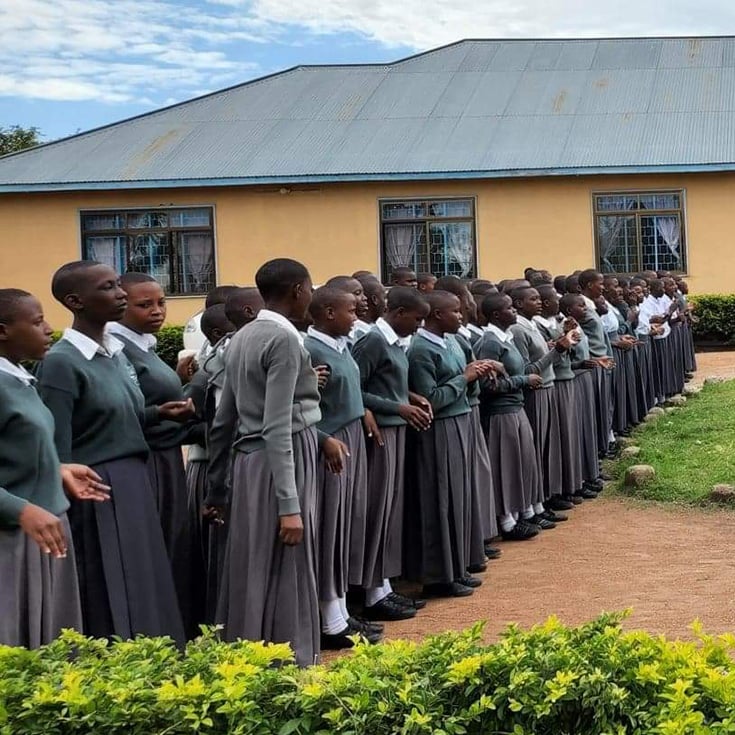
x=269, y=590
x=39, y=593
x=513, y=461
x=678, y=349
x=645, y=384
x=385, y=502
x=690, y=357
x=168, y=479
x=208, y=543
x=438, y=501
x=586, y=401
x=125, y=579
x=620, y=391
x=603, y=405
x=341, y=504
x=658, y=362
x=543, y=414
x=570, y=456
x=484, y=518
x=632, y=404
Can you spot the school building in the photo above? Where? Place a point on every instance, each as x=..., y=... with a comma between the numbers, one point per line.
x=479, y=158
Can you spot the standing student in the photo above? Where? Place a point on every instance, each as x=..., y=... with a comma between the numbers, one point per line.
x=375, y=295
x=347, y=284
x=242, y=306
x=92, y=391
x=404, y=276
x=653, y=323
x=506, y=426
x=541, y=404
x=143, y=318
x=217, y=295
x=425, y=282
x=381, y=356
x=570, y=458
x=439, y=506
x=270, y=405
x=38, y=578
x=341, y=496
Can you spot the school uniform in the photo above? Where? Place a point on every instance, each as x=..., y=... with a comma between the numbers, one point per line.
x=662, y=380
x=507, y=430
x=567, y=429
x=483, y=517
x=160, y=384
x=40, y=594
x=623, y=367
x=474, y=333
x=541, y=406
x=341, y=499
x=270, y=403
x=585, y=388
x=380, y=355
x=125, y=577
x=599, y=346
x=358, y=329
x=690, y=358
x=439, y=499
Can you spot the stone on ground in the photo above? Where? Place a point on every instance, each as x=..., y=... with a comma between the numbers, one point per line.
x=676, y=401
x=691, y=390
x=629, y=452
x=638, y=475
x=713, y=379
x=655, y=413
x=724, y=494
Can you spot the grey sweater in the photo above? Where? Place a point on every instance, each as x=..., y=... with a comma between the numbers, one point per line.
x=270, y=393
x=537, y=356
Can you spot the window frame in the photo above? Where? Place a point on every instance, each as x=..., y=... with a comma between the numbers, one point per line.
x=681, y=211
x=426, y=221
x=82, y=212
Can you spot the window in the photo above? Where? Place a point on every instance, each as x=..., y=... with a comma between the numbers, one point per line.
x=431, y=236
x=175, y=246
x=637, y=232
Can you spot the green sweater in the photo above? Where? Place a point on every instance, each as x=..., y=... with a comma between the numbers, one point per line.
x=383, y=377
x=437, y=373
x=160, y=384
x=97, y=405
x=505, y=394
x=341, y=397
x=473, y=388
x=563, y=366
x=29, y=465
x=599, y=342
x=537, y=356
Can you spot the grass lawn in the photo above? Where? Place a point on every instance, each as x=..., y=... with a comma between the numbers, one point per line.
x=691, y=449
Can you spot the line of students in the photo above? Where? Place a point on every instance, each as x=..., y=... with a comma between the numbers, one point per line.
x=339, y=442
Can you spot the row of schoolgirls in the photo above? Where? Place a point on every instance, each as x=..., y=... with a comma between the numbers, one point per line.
x=337, y=442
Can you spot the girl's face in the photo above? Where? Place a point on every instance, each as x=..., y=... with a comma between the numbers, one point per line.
x=344, y=315
x=551, y=306
x=405, y=322
x=529, y=305
x=302, y=298
x=449, y=317
x=99, y=295
x=577, y=310
x=146, y=310
x=361, y=301
x=506, y=315
x=28, y=335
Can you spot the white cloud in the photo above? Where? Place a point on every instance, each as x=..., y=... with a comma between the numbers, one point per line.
x=155, y=51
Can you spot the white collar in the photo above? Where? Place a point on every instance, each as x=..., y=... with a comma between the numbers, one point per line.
x=526, y=322
x=17, y=371
x=475, y=329
x=499, y=333
x=435, y=338
x=273, y=316
x=387, y=331
x=547, y=321
x=89, y=348
x=465, y=332
x=338, y=344
x=145, y=342
x=360, y=327
x=589, y=303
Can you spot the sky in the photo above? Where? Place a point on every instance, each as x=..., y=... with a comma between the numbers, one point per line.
x=71, y=65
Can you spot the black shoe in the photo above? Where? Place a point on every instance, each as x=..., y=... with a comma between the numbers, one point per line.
x=556, y=502
x=477, y=568
x=522, y=531
x=409, y=602
x=470, y=581
x=586, y=494
x=541, y=522
x=492, y=553
x=447, y=589
x=356, y=621
x=573, y=499
x=365, y=630
x=549, y=515
x=388, y=610
x=593, y=487
x=603, y=477
x=338, y=641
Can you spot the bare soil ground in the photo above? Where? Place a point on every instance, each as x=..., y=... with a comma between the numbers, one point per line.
x=670, y=565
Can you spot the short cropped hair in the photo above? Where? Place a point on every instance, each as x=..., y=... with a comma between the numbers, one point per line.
x=492, y=303
x=218, y=295
x=10, y=299
x=404, y=297
x=325, y=297
x=341, y=283
x=239, y=298
x=588, y=276
x=452, y=284
x=215, y=318
x=568, y=300
x=66, y=279
x=277, y=277
x=132, y=278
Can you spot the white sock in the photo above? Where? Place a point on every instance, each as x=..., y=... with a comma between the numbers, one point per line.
x=507, y=522
x=332, y=620
x=387, y=589
x=373, y=595
x=528, y=513
x=611, y=438
x=538, y=509
x=343, y=607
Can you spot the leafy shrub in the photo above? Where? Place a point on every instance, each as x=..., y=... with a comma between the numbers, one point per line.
x=591, y=680
x=716, y=314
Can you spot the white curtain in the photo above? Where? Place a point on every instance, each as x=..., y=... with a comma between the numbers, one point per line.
x=198, y=258
x=102, y=249
x=670, y=230
x=459, y=245
x=400, y=244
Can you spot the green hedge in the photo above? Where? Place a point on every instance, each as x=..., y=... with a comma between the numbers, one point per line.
x=591, y=680
x=716, y=314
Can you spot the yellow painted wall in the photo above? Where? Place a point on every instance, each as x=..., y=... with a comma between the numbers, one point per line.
x=546, y=223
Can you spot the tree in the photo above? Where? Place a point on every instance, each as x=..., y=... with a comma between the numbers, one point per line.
x=15, y=138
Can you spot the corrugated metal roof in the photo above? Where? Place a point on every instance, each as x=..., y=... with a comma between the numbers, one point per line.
x=472, y=109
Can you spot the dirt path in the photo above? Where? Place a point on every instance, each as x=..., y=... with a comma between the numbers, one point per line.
x=670, y=565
